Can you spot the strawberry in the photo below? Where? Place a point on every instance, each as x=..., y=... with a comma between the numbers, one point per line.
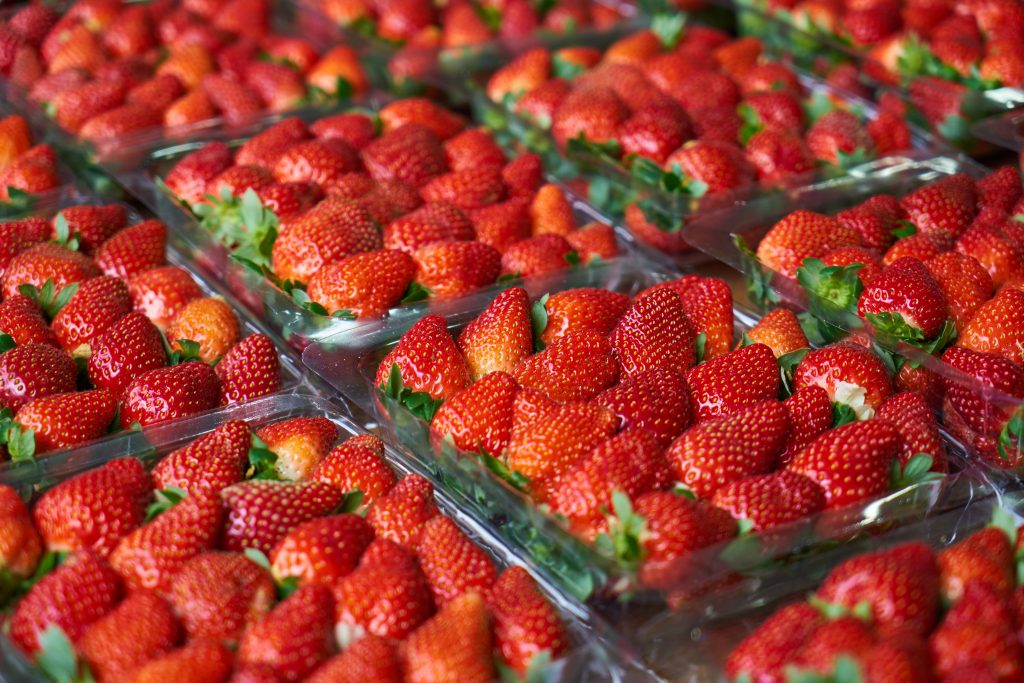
x=208, y=464
x=208, y=321
x=977, y=648
x=364, y=285
x=851, y=462
x=854, y=378
x=33, y=371
x=139, y=629
x=158, y=92
x=874, y=220
x=473, y=148
x=547, y=437
x=170, y=393
x=707, y=303
x=723, y=385
x=503, y=224
x=944, y=207
x=16, y=236
x=371, y=658
x=964, y=282
x=523, y=74
x=189, y=177
x=217, y=595
x=401, y=514
x=199, y=661
x=425, y=361
x=279, y=86
x=997, y=326
x=581, y=308
x=357, y=129
x=479, y=418
x=63, y=420
x=133, y=250
x=424, y=112
x=293, y=638
x=451, y=269
x=846, y=636
x=922, y=247
x=773, y=109
x=802, y=234
x=453, y=645
x=33, y=172
x=777, y=154
x=97, y=306
x=23, y=321
x=315, y=161
x=130, y=347
x=299, y=444
x=21, y=547
x=763, y=654
x=810, y=415
x=151, y=555
x=656, y=401
x=840, y=138
x=537, y=255
x=322, y=550
x=551, y=212
x=76, y=594
x=654, y=132
x=469, y=189
x=985, y=557
x=238, y=103
x=999, y=190
x=500, y=337
x=161, y=293
x=654, y=332
x=433, y=222
x=250, y=369
x=411, y=154
x=904, y=302
x=387, y=597
x=93, y=224
x=594, y=242
x=74, y=106
x=710, y=167
x=591, y=113
x=452, y=564
x=261, y=513
x=913, y=417
x=525, y=623
x=105, y=130
x=42, y=262
x=771, y=500
x=523, y=175
x=723, y=450
x=33, y=22
x=780, y=331
x=330, y=231
x=575, y=368
x=266, y=147
x=994, y=248
x=356, y=466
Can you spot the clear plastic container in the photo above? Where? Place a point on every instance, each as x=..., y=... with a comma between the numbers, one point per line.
x=1003, y=130
x=349, y=362
x=589, y=661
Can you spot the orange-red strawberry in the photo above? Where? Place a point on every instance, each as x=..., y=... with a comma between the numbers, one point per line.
x=357, y=465
x=473, y=148
x=97, y=306
x=912, y=416
x=299, y=444
x=710, y=167
x=16, y=236
x=217, y=595
x=401, y=514
x=594, y=242
x=521, y=75
x=742, y=444
x=133, y=250
x=723, y=385
x=141, y=628
x=976, y=649
x=575, y=309
x=654, y=132
x=503, y=224
x=411, y=154
x=538, y=255
x=208, y=464
x=76, y=594
x=33, y=371
x=802, y=234
x=161, y=293
x=43, y=262
x=777, y=154
x=371, y=658
x=771, y=500
x=994, y=248
x=945, y=207
x=266, y=147
x=851, y=462
x=525, y=623
x=293, y=638
x=170, y=393
x=450, y=269
x=854, y=377
x=151, y=555
x=33, y=172
x=656, y=400
x=500, y=337
x=260, y=513
x=452, y=564
x=999, y=190
x=188, y=178
x=192, y=107
x=107, y=128
x=130, y=347
x=339, y=64
x=997, y=326
x=654, y=332
x=577, y=367
x=707, y=303
x=551, y=212
x=432, y=222
x=330, y=231
x=322, y=550
x=986, y=556
x=453, y=645
x=764, y=653
x=810, y=415
x=65, y=420
x=964, y=282
x=479, y=418
x=364, y=285
x=196, y=661
x=592, y=113
x=158, y=92
x=20, y=545
x=279, y=86
x=95, y=509
x=779, y=330
x=250, y=369
x=210, y=322
x=237, y=102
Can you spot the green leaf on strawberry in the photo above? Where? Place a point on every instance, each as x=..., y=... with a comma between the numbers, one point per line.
x=300, y=297
x=6, y=342
x=416, y=292
x=699, y=344
x=787, y=365
x=669, y=28
x=63, y=233
x=352, y=502
x=504, y=472
x=625, y=528
x=857, y=157
x=916, y=471
x=187, y=350
x=1011, y=437
x=20, y=442
x=48, y=298
x=905, y=230
x=832, y=291
x=539, y=321
x=659, y=218
x=581, y=145
x=165, y=499
x=420, y=403
x=262, y=461
x=842, y=414
x=759, y=279
x=58, y=660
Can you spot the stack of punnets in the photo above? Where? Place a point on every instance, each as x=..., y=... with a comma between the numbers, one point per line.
x=502, y=340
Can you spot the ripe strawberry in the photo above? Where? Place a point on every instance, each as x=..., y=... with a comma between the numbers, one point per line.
x=261, y=513
x=170, y=393
x=141, y=628
x=208, y=464
x=63, y=420
x=654, y=332
x=592, y=113
x=106, y=129
x=763, y=654
x=315, y=161
x=76, y=594
x=238, y=103
x=945, y=207
x=130, y=347
x=161, y=293
x=424, y=112
x=594, y=242
x=208, y=321
x=401, y=513
x=433, y=222
x=196, y=661
x=43, y=262
x=964, y=282
x=480, y=416
x=158, y=92
x=986, y=556
x=773, y=109
x=853, y=377
x=995, y=248
x=997, y=326
x=575, y=368
x=356, y=465
x=523, y=175
x=473, y=148
x=771, y=500
x=250, y=369
x=537, y=255
x=470, y=189
x=846, y=636
x=717, y=167
x=383, y=597
x=322, y=550
x=371, y=658
x=900, y=585
x=357, y=129
x=20, y=547
x=999, y=190
x=503, y=224
x=525, y=623
x=33, y=172
x=217, y=595
x=299, y=443
x=451, y=269
x=330, y=231
x=810, y=415
x=293, y=638
x=723, y=385
x=707, y=303
x=266, y=147
x=778, y=154
x=454, y=644
x=22, y=319
x=780, y=331
x=189, y=177
x=97, y=306
x=33, y=22
x=904, y=302
x=133, y=250
x=16, y=236
x=656, y=401
x=800, y=235
x=365, y=285
x=500, y=337
x=74, y=106
x=581, y=308
x=874, y=220
x=452, y=564
x=427, y=361
x=913, y=417
x=547, y=437
x=974, y=649
x=840, y=138
x=411, y=154
x=93, y=224
x=521, y=75
x=33, y=371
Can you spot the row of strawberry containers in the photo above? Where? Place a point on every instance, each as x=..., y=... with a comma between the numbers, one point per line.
x=30, y=170
x=640, y=459
x=126, y=567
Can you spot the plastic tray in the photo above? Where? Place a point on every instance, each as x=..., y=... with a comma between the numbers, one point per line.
x=298, y=326
x=1003, y=130
x=589, y=662
x=349, y=362
x=293, y=375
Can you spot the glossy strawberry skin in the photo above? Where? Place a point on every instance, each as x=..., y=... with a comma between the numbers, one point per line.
x=261, y=513
x=170, y=393
x=65, y=420
x=322, y=550
x=33, y=371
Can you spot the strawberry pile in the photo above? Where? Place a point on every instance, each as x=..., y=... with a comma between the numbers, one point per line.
x=358, y=213
x=25, y=169
x=279, y=556
x=691, y=111
x=907, y=613
x=104, y=69
x=941, y=269
x=641, y=424
x=98, y=331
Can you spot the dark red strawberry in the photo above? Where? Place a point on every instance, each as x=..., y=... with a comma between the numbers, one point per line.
x=32, y=371
x=261, y=513
x=654, y=332
x=170, y=393
x=322, y=550
x=250, y=369
x=771, y=500
x=904, y=302
x=723, y=385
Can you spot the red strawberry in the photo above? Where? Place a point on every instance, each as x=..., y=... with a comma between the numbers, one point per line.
x=778, y=154
x=473, y=148
x=151, y=555
x=654, y=332
x=65, y=420
x=913, y=417
x=210, y=463
x=763, y=654
x=427, y=361
x=723, y=385
x=93, y=224
x=196, y=661
x=525, y=623
x=16, y=236
x=994, y=248
x=250, y=369
x=357, y=129
x=575, y=368
x=141, y=628
x=771, y=500
x=581, y=308
x=593, y=113
x=521, y=75
x=76, y=594
x=159, y=92
x=523, y=175
x=850, y=256
x=846, y=636
x=96, y=509
x=717, y=167
x=238, y=103
x=330, y=231
x=976, y=648
x=773, y=109
x=453, y=645
x=851, y=462
x=293, y=638
x=904, y=302
x=97, y=306
x=998, y=326
x=654, y=132
x=217, y=595
x=134, y=250
x=210, y=322
x=469, y=189
x=33, y=371
x=594, y=242
x=874, y=220
x=108, y=128
x=452, y=564
x=999, y=190
x=261, y=513
x=853, y=377
x=170, y=393
x=503, y=224
x=707, y=303
x=840, y=138
x=21, y=547
x=964, y=282
x=357, y=466
x=411, y=154
x=400, y=515
x=322, y=550
x=551, y=212
x=74, y=106
x=986, y=556
x=22, y=319
x=33, y=172
x=266, y=147
x=432, y=222
x=945, y=207
x=479, y=418
x=424, y=112
x=315, y=161
x=371, y=658
x=657, y=401
x=365, y=285
x=810, y=415
x=130, y=347
x=299, y=443
x=451, y=269
x=537, y=255
x=802, y=234
x=780, y=331
x=161, y=293
x=189, y=177
x=43, y=262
